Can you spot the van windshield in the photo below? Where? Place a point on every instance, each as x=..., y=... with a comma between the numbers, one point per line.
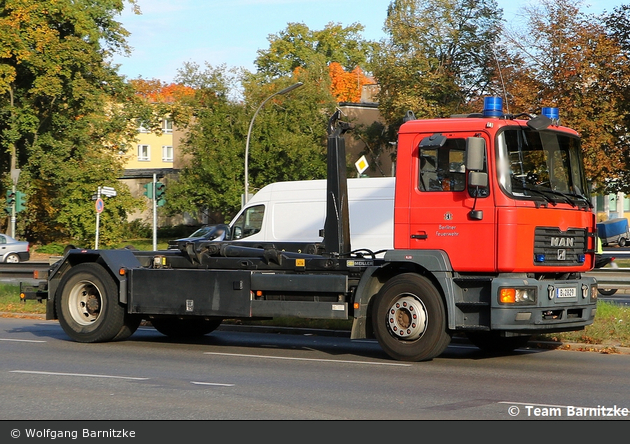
x=249, y=222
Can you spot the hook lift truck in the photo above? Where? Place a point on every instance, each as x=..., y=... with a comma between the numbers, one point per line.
x=493, y=232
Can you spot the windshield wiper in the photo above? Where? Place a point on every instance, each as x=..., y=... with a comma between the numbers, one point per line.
x=534, y=190
x=566, y=197
x=583, y=198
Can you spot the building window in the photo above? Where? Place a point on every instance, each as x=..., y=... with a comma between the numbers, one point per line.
x=143, y=127
x=144, y=153
x=167, y=126
x=167, y=153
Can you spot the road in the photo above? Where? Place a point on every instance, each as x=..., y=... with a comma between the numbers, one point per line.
x=259, y=376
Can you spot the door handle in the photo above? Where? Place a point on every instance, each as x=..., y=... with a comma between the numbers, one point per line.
x=422, y=235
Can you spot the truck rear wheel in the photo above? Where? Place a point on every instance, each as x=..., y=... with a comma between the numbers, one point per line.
x=409, y=319
x=181, y=328
x=88, y=308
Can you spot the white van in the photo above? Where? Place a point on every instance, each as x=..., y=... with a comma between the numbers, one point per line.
x=296, y=212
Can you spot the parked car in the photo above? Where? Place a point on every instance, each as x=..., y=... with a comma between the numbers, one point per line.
x=209, y=232
x=13, y=250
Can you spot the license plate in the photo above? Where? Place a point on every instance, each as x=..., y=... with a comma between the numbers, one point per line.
x=566, y=292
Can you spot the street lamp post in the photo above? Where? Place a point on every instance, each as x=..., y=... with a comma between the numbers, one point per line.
x=249, y=132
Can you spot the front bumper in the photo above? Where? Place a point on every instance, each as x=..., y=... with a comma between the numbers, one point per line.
x=572, y=308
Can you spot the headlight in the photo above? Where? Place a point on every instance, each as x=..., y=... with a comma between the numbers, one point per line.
x=517, y=296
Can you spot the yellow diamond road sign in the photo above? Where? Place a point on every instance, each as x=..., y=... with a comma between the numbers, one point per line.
x=361, y=164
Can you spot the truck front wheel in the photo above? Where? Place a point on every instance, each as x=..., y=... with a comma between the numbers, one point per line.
x=88, y=308
x=409, y=319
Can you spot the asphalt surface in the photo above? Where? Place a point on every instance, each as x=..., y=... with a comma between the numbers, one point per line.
x=457, y=339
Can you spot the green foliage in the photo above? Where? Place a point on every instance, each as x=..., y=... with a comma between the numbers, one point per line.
x=288, y=137
x=54, y=248
x=295, y=46
x=65, y=112
x=437, y=57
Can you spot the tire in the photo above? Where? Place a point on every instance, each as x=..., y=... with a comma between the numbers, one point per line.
x=12, y=258
x=184, y=328
x=88, y=308
x=622, y=242
x=400, y=301
x=607, y=291
x=492, y=342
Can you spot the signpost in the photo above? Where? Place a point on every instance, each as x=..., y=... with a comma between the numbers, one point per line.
x=99, y=205
x=15, y=175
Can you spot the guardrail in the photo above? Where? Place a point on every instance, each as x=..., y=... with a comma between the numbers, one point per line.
x=618, y=278
x=22, y=270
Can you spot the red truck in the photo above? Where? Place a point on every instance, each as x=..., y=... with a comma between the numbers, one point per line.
x=493, y=232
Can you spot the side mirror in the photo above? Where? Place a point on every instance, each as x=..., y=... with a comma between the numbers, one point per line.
x=237, y=232
x=477, y=179
x=475, y=153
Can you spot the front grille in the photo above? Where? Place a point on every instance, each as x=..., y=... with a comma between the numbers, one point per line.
x=561, y=248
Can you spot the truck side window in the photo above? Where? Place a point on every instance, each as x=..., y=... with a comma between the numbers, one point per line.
x=249, y=222
x=443, y=168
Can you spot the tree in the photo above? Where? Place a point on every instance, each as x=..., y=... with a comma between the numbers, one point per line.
x=65, y=111
x=347, y=86
x=296, y=45
x=211, y=181
x=566, y=58
x=288, y=139
x=437, y=57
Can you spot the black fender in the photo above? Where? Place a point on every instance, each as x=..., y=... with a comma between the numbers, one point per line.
x=111, y=260
x=433, y=264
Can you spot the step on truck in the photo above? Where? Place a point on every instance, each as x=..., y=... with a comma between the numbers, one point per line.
x=493, y=232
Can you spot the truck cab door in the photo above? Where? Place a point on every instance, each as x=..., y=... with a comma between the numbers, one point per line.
x=447, y=212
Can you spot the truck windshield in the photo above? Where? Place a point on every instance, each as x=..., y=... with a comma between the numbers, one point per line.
x=542, y=165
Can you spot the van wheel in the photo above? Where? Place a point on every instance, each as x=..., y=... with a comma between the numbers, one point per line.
x=88, y=308
x=409, y=319
x=622, y=242
x=182, y=328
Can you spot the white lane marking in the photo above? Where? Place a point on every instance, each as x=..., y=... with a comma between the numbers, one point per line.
x=20, y=340
x=212, y=383
x=86, y=375
x=308, y=359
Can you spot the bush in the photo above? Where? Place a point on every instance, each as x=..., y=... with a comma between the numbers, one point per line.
x=137, y=229
x=54, y=249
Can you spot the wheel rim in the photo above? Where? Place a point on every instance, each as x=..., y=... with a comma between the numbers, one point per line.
x=85, y=302
x=407, y=318
x=12, y=259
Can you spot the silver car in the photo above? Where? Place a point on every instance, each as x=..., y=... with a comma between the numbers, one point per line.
x=13, y=250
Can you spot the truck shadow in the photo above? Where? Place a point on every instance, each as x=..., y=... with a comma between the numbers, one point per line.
x=252, y=342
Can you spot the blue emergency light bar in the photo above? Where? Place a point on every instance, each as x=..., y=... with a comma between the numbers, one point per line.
x=551, y=112
x=492, y=107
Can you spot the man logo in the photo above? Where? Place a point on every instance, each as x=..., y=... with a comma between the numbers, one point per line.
x=562, y=255
x=562, y=241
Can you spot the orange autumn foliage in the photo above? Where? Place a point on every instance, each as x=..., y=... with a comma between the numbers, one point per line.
x=346, y=86
x=157, y=92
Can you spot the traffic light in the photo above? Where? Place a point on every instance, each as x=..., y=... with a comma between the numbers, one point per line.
x=10, y=197
x=20, y=201
x=148, y=190
x=159, y=193
x=10, y=202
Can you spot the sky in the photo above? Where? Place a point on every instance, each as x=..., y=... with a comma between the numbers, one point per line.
x=230, y=32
